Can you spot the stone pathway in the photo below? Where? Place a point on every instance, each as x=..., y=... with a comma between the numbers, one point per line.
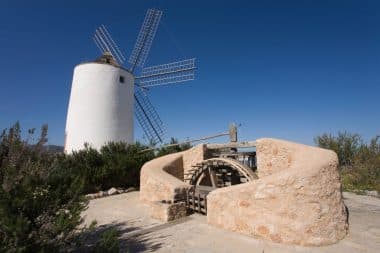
x=140, y=233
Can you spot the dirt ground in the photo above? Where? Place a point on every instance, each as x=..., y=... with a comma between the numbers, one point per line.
x=140, y=233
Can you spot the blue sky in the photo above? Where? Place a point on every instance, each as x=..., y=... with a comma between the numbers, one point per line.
x=284, y=69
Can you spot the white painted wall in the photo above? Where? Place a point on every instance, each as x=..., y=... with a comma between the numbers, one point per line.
x=100, y=108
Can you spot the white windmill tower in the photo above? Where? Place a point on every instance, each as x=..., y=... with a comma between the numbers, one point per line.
x=105, y=95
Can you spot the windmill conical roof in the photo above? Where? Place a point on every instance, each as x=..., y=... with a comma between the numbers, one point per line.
x=107, y=58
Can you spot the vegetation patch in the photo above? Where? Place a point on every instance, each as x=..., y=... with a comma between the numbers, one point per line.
x=359, y=162
x=42, y=191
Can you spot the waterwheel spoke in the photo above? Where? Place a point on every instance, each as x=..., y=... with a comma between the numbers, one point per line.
x=214, y=173
x=213, y=177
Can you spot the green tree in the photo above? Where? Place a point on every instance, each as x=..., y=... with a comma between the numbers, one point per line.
x=359, y=161
x=345, y=144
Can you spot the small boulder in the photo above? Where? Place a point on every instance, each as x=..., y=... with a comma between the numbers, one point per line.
x=372, y=193
x=91, y=196
x=112, y=191
x=100, y=194
x=120, y=190
x=130, y=189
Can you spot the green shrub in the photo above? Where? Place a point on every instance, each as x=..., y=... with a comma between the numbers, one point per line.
x=122, y=164
x=172, y=149
x=109, y=242
x=115, y=165
x=359, y=161
x=346, y=145
x=41, y=192
x=39, y=207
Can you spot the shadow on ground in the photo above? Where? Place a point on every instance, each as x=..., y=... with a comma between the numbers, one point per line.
x=131, y=238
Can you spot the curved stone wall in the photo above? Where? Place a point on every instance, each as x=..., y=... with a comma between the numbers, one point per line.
x=162, y=179
x=296, y=200
x=158, y=181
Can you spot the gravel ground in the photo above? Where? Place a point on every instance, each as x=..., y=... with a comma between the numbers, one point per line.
x=140, y=233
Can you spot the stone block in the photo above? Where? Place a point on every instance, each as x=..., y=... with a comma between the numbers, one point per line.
x=167, y=211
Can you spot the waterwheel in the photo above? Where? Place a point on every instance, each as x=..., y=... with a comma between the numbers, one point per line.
x=211, y=174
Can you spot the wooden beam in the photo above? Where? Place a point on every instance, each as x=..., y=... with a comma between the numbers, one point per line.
x=213, y=177
x=243, y=144
x=187, y=142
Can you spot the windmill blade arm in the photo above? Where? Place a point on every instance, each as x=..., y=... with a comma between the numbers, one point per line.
x=115, y=46
x=145, y=38
x=104, y=42
x=169, y=73
x=165, y=73
x=169, y=68
x=167, y=79
x=99, y=44
x=148, y=117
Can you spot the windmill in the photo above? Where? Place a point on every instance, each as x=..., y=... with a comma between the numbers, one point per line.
x=93, y=120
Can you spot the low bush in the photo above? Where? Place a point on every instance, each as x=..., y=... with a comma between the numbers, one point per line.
x=115, y=165
x=359, y=162
x=39, y=207
x=172, y=147
x=108, y=242
x=42, y=192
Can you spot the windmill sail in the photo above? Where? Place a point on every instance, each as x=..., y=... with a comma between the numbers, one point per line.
x=148, y=118
x=169, y=73
x=105, y=43
x=145, y=38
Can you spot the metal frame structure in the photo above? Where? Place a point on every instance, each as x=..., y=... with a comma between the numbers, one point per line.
x=145, y=38
x=148, y=117
x=168, y=73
